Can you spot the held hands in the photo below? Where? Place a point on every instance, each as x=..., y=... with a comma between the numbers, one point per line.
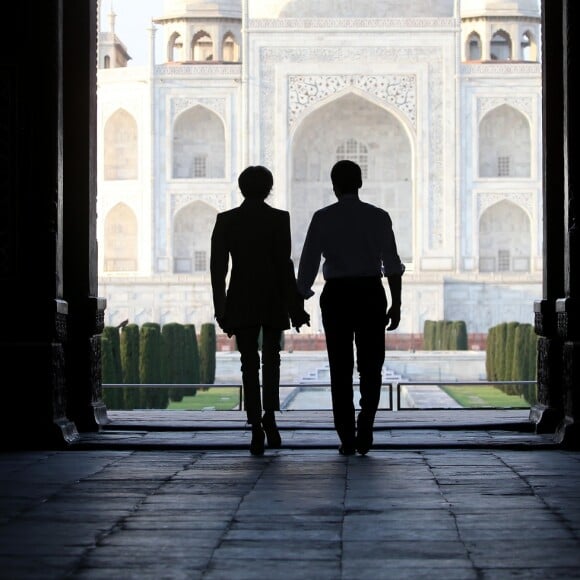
x=223, y=325
x=300, y=318
x=393, y=316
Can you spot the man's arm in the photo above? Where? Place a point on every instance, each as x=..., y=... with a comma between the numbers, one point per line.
x=309, y=260
x=394, y=312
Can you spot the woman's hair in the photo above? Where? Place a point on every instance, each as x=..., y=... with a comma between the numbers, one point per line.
x=256, y=182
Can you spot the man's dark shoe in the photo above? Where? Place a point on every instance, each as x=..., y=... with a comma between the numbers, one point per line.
x=257, y=443
x=364, y=440
x=347, y=449
x=271, y=429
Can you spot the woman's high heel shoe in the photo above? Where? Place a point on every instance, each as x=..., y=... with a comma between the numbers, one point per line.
x=271, y=429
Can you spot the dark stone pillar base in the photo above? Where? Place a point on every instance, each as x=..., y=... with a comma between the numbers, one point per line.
x=546, y=419
x=568, y=434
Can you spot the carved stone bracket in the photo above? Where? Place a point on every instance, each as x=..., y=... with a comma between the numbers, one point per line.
x=567, y=318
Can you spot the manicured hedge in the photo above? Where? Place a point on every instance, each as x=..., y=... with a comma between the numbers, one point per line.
x=154, y=354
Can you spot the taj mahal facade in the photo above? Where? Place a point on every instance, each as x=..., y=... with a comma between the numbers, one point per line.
x=439, y=101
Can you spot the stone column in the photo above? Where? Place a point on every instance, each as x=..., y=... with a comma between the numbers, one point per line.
x=33, y=332
x=80, y=280
x=549, y=411
x=568, y=308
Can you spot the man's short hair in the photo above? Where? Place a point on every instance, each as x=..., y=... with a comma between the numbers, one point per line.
x=346, y=176
x=256, y=182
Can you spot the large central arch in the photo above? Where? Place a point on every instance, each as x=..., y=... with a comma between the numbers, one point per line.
x=350, y=124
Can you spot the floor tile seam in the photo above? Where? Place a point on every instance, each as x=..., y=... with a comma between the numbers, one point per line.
x=234, y=516
x=469, y=556
x=61, y=489
x=574, y=532
x=117, y=525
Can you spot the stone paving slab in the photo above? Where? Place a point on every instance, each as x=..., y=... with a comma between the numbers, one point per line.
x=411, y=512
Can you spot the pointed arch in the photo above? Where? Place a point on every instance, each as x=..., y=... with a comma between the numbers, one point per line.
x=230, y=48
x=175, y=48
x=199, y=145
x=529, y=46
x=121, y=246
x=505, y=144
x=192, y=227
x=120, y=146
x=328, y=133
x=202, y=46
x=473, y=48
x=504, y=239
x=501, y=46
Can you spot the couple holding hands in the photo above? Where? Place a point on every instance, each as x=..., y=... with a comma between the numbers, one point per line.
x=356, y=242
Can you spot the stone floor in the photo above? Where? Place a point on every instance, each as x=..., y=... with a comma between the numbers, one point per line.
x=176, y=495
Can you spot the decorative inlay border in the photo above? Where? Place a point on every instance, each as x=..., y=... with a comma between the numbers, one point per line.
x=400, y=91
x=499, y=69
x=202, y=70
x=180, y=200
x=524, y=200
x=430, y=59
x=486, y=104
x=181, y=104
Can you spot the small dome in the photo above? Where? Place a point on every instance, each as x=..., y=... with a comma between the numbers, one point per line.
x=501, y=8
x=203, y=8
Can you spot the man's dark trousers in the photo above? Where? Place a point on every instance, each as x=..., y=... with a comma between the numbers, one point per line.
x=354, y=314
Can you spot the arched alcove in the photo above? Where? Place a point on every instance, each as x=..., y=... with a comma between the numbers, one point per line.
x=505, y=145
x=175, y=48
x=504, y=239
x=377, y=139
x=198, y=145
x=192, y=228
x=121, y=146
x=501, y=46
x=529, y=46
x=230, y=48
x=202, y=46
x=121, y=247
x=473, y=47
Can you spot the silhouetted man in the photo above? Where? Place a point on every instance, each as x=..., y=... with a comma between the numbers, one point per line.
x=357, y=242
x=261, y=296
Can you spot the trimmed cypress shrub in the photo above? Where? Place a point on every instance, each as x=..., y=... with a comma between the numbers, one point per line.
x=429, y=335
x=111, y=397
x=111, y=366
x=191, y=357
x=510, y=347
x=490, y=363
x=438, y=342
x=446, y=338
x=207, y=350
x=173, y=348
x=500, y=346
x=130, y=353
x=459, y=335
x=130, y=364
x=150, y=351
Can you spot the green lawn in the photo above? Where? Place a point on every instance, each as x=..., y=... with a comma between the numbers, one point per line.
x=221, y=399
x=474, y=396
